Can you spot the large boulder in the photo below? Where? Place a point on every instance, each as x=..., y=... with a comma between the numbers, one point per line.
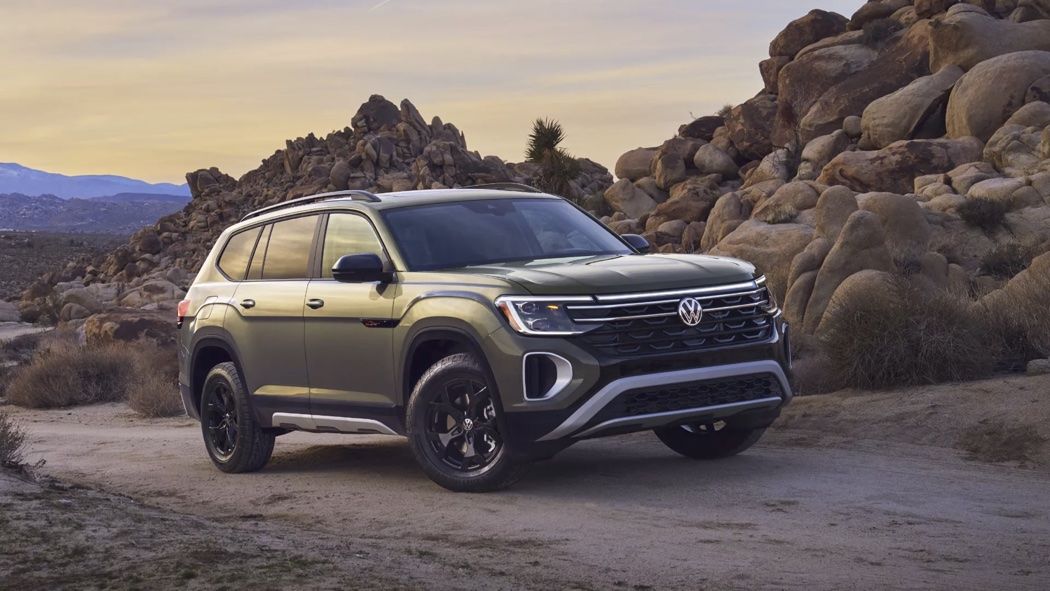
x=820, y=88
x=1016, y=148
x=701, y=128
x=986, y=96
x=819, y=151
x=966, y=37
x=623, y=196
x=915, y=111
x=833, y=208
x=673, y=161
x=127, y=326
x=771, y=247
x=786, y=203
x=690, y=200
x=635, y=164
x=727, y=214
x=750, y=125
x=814, y=26
x=903, y=222
x=710, y=159
x=861, y=245
x=894, y=168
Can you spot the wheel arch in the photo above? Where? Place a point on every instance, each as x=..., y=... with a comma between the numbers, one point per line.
x=208, y=352
x=428, y=345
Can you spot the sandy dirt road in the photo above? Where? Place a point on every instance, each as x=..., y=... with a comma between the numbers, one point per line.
x=798, y=509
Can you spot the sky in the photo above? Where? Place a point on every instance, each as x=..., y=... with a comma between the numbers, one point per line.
x=155, y=89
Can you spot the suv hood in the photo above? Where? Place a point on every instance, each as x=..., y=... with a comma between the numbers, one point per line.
x=620, y=274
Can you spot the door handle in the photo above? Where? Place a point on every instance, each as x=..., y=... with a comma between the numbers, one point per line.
x=315, y=303
x=249, y=303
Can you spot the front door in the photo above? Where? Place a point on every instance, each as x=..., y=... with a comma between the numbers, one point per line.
x=349, y=336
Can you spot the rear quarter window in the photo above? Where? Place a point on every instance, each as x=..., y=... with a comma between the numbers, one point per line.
x=234, y=258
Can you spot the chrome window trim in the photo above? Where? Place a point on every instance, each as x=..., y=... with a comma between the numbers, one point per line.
x=564, y=375
x=608, y=393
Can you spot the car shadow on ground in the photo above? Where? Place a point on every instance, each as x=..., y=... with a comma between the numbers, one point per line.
x=603, y=468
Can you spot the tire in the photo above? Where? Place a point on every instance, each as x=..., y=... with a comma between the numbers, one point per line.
x=233, y=437
x=455, y=427
x=707, y=441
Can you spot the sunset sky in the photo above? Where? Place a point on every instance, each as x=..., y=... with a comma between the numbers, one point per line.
x=154, y=89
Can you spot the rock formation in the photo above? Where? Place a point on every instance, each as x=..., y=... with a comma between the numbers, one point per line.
x=872, y=140
x=386, y=148
x=911, y=138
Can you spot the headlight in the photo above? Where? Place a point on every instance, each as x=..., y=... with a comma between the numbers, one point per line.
x=771, y=302
x=540, y=316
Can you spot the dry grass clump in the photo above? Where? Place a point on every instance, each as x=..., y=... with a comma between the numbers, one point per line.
x=64, y=374
x=905, y=336
x=1019, y=323
x=155, y=391
x=12, y=441
x=67, y=375
x=985, y=214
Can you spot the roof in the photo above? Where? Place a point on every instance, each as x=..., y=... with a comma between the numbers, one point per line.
x=358, y=199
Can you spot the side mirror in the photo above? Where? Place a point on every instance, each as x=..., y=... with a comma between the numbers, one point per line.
x=637, y=242
x=360, y=268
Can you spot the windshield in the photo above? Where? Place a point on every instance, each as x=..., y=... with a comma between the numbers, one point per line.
x=484, y=232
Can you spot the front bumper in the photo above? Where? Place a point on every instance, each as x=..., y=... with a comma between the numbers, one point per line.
x=603, y=396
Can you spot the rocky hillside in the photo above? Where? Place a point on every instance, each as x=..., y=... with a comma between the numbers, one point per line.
x=386, y=148
x=910, y=139
x=121, y=214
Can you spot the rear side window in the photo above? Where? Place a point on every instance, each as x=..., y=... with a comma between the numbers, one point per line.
x=287, y=253
x=234, y=259
x=347, y=233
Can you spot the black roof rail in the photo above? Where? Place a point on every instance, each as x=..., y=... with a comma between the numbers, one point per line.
x=355, y=194
x=506, y=186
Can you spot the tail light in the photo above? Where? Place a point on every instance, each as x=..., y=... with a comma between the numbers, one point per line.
x=183, y=312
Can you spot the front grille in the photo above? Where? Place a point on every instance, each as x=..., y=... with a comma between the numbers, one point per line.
x=653, y=325
x=700, y=394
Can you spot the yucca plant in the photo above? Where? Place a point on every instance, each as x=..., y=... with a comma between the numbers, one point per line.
x=557, y=167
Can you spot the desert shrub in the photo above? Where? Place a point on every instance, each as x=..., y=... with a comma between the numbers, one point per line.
x=67, y=375
x=904, y=336
x=1006, y=260
x=811, y=368
x=985, y=214
x=725, y=111
x=64, y=374
x=557, y=167
x=1018, y=326
x=155, y=392
x=12, y=441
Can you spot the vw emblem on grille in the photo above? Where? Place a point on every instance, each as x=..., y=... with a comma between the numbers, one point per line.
x=690, y=311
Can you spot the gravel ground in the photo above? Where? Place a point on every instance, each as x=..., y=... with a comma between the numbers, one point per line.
x=854, y=506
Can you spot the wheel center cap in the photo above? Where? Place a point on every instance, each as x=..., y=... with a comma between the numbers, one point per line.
x=468, y=424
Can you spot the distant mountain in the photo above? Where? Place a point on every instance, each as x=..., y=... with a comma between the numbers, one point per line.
x=122, y=214
x=15, y=178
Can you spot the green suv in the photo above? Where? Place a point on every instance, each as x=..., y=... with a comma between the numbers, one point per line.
x=493, y=326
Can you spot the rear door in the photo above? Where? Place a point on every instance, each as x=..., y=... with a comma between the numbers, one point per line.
x=268, y=323
x=349, y=336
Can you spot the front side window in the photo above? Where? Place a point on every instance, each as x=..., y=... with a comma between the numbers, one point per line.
x=347, y=233
x=287, y=253
x=234, y=258
x=493, y=231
